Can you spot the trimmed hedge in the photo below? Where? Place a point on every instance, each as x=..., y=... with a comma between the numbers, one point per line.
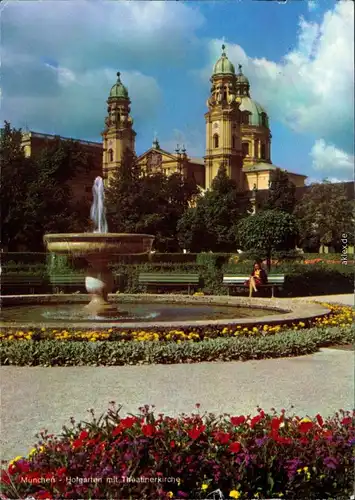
x=112, y=353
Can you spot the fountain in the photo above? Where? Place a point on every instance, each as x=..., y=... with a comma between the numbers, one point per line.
x=99, y=249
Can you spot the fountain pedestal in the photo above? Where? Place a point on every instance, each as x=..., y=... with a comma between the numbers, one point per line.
x=99, y=282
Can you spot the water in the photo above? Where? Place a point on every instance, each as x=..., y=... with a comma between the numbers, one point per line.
x=137, y=312
x=98, y=212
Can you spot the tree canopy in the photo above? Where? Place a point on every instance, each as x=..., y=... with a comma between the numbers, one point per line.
x=325, y=213
x=281, y=195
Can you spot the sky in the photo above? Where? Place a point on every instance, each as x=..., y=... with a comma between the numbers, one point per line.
x=59, y=60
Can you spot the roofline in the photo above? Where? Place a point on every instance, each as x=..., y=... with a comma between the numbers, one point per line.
x=31, y=133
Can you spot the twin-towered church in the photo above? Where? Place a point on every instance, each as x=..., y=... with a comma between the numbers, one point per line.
x=237, y=135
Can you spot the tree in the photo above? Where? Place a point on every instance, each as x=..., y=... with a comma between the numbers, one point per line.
x=152, y=204
x=325, y=213
x=36, y=192
x=268, y=231
x=211, y=224
x=281, y=195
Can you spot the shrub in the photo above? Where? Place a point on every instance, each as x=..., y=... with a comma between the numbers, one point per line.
x=119, y=352
x=242, y=456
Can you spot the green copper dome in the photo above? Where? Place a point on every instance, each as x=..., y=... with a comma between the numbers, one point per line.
x=119, y=90
x=241, y=78
x=257, y=114
x=223, y=66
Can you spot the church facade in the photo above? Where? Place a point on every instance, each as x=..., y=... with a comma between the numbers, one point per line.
x=238, y=136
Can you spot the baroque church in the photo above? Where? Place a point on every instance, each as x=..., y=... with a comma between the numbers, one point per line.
x=238, y=135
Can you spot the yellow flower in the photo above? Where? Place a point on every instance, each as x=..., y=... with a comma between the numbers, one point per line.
x=305, y=469
x=16, y=459
x=204, y=486
x=170, y=494
x=305, y=420
x=234, y=494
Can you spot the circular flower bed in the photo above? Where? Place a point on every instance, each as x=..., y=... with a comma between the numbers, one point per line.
x=341, y=316
x=147, y=456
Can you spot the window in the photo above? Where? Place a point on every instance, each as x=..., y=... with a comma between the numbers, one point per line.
x=256, y=149
x=245, y=148
x=245, y=118
x=263, y=120
x=263, y=152
x=110, y=155
x=215, y=141
x=233, y=141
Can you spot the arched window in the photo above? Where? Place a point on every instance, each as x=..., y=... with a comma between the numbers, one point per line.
x=215, y=141
x=245, y=118
x=263, y=152
x=225, y=93
x=110, y=155
x=245, y=148
x=233, y=141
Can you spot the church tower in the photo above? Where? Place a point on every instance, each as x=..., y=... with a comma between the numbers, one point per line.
x=118, y=135
x=223, y=125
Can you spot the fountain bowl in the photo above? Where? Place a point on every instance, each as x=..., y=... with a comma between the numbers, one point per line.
x=98, y=244
x=99, y=249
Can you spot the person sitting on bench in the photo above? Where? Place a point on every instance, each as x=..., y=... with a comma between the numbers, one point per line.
x=258, y=277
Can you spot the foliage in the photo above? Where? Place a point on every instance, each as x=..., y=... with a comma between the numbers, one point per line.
x=281, y=195
x=36, y=196
x=268, y=231
x=325, y=214
x=211, y=224
x=27, y=352
x=266, y=456
x=151, y=204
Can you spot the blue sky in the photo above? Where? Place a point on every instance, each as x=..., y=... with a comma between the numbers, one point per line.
x=59, y=60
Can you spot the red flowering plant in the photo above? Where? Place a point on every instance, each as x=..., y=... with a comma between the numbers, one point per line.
x=148, y=456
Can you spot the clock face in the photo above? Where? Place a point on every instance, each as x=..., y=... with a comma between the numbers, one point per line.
x=110, y=143
x=215, y=125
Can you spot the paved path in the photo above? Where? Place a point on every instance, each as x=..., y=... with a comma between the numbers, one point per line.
x=34, y=398
x=346, y=299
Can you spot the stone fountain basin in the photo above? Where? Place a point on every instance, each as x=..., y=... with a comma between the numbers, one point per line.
x=86, y=244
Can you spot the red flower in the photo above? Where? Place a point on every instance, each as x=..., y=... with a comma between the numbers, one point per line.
x=222, y=437
x=303, y=440
x=117, y=430
x=61, y=471
x=5, y=478
x=275, y=423
x=255, y=420
x=196, y=432
x=77, y=443
x=346, y=421
x=238, y=420
x=319, y=420
x=128, y=422
x=304, y=427
x=172, y=444
x=43, y=495
x=284, y=440
x=83, y=434
x=148, y=429
x=327, y=434
x=234, y=447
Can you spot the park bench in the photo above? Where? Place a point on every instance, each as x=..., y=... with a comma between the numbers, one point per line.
x=15, y=281
x=169, y=279
x=61, y=282
x=238, y=281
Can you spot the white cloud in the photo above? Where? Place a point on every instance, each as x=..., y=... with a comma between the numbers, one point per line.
x=311, y=89
x=59, y=59
x=192, y=139
x=312, y=5
x=329, y=160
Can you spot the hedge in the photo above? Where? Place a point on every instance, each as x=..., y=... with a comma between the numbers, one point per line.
x=112, y=353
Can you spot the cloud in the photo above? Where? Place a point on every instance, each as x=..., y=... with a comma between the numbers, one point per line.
x=311, y=88
x=59, y=59
x=312, y=5
x=329, y=160
x=192, y=139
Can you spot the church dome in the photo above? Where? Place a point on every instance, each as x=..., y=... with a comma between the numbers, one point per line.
x=257, y=114
x=223, y=66
x=119, y=90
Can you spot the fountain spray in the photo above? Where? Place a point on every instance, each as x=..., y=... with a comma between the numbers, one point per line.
x=98, y=212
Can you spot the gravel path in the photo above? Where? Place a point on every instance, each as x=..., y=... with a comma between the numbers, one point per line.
x=38, y=397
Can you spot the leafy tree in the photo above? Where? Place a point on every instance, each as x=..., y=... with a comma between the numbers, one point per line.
x=152, y=204
x=325, y=213
x=211, y=224
x=36, y=192
x=268, y=231
x=281, y=193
